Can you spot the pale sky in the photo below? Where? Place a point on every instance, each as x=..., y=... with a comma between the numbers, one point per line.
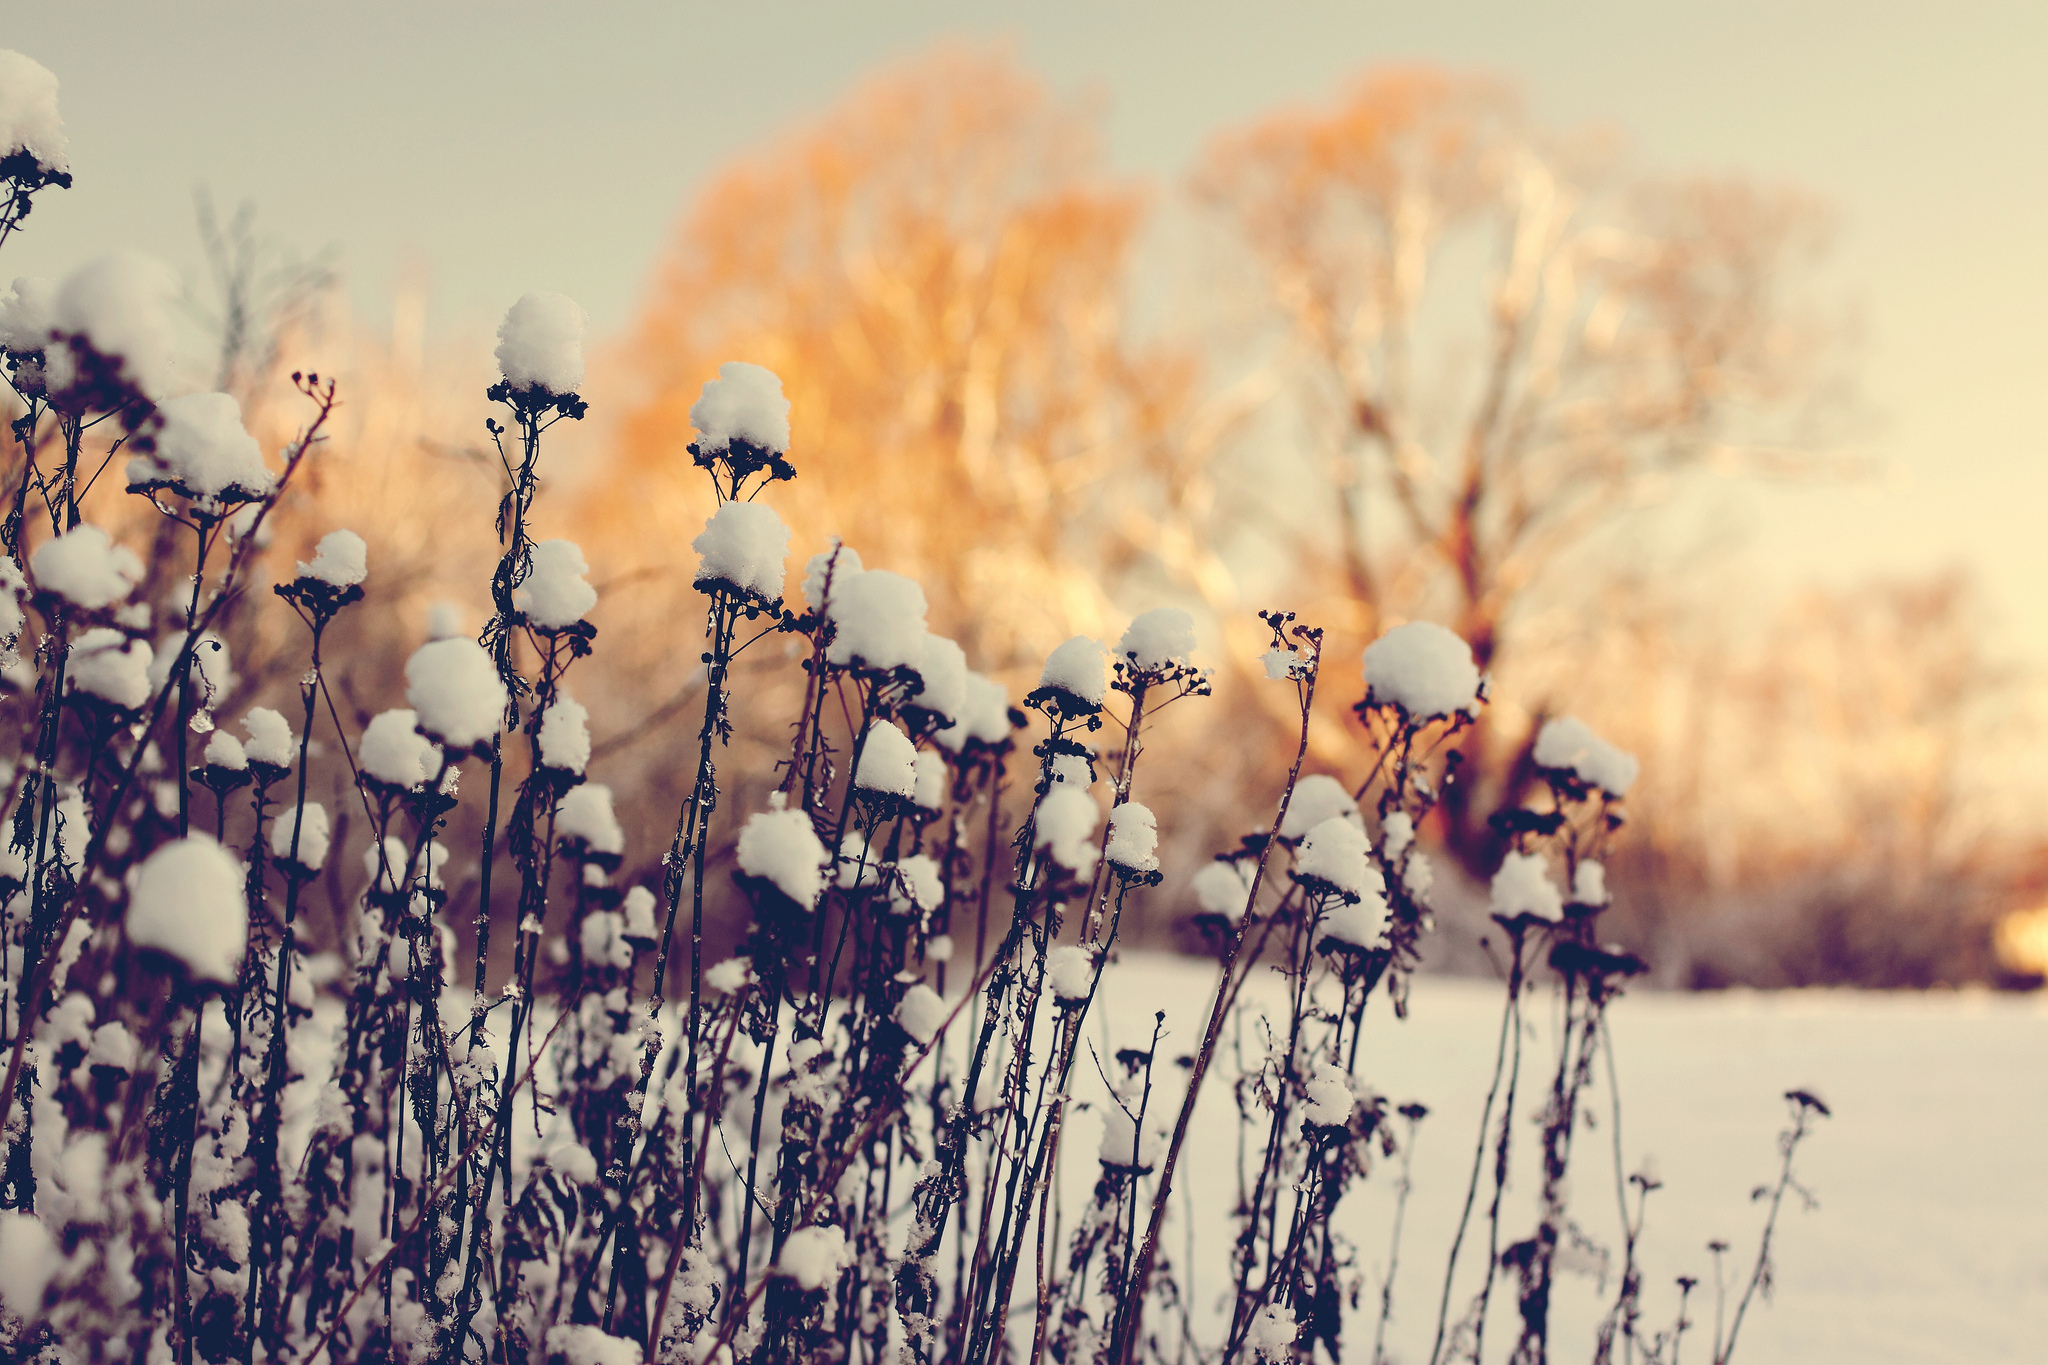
x=517, y=146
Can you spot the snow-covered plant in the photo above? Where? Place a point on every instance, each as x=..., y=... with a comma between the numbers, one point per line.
x=234, y=1127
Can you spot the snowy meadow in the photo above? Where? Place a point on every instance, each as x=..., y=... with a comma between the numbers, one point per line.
x=266, y=1099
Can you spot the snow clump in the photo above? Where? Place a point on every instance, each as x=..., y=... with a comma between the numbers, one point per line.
x=340, y=560
x=942, y=666
x=1396, y=835
x=540, y=344
x=742, y=547
x=1222, y=888
x=223, y=750
x=86, y=568
x=1523, y=887
x=1121, y=1146
x=587, y=1345
x=1424, y=669
x=1318, y=797
x=555, y=595
x=1066, y=824
x=888, y=763
x=270, y=737
x=315, y=834
x=1589, y=883
x=1133, y=839
x=1272, y=1334
x=744, y=403
x=110, y=666
x=1070, y=972
x=931, y=781
x=877, y=618
x=1075, y=670
x=1158, y=640
x=841, y=561
x=920, y=1012
x=203, y=448
x=188, y=902
x=1335, y=855
x=29, y=121
x=394, y=752
x=585, y=815
x=1327, y=1100
x=122, y=307
x=781, y=847
x=29, y=1256
x=921, y=886
x=454, y=687
x=1568, y=744
x=984, y=716
x=565, y=735
x=813, y=1257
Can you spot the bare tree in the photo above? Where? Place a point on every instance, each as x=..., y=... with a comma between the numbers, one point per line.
x=1504, y=338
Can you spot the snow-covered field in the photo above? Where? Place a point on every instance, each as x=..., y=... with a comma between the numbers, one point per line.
x=1930, y=1242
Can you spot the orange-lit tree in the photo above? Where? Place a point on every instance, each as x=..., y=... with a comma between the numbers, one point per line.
x=1499, y=340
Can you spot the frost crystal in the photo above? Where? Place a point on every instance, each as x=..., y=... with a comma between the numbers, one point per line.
x=85, y=568
x=540, y=344
x=742, y=547
x=188, y=903
x=744, y=403
x=1422, y=668
x=1568, y=744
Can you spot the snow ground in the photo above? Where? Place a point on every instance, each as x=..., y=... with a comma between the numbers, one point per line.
x=1930, y=1242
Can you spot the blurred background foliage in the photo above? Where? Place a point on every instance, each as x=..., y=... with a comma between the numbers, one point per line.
x=1415, y=356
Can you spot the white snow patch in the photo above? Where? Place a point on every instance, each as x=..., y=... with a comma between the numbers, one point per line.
x=565, y=734
x=340, y=560
x=781, y=846
x=188, y=902
x=1157, y=639
x=555, y=594
x=585, y=813
x=29, y=121
x=877, y=618
x=888, y=763
x=1076, y=668
x=1318, y=797
x=112, y=667
x=314, y=836
x=85, y=568
x=454, y=687
x=540, y=344
x=394, y=752
x=1568, y=744
x=813, y=1257
x=920, y=1012
x=744, y=403
x=1424, y=669
x=1523, y=886
x=1066, y=824
x=1133, y=838
x=202, y=446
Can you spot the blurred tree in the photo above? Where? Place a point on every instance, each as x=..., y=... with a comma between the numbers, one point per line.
x=936, y=270
x=1501, y=339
